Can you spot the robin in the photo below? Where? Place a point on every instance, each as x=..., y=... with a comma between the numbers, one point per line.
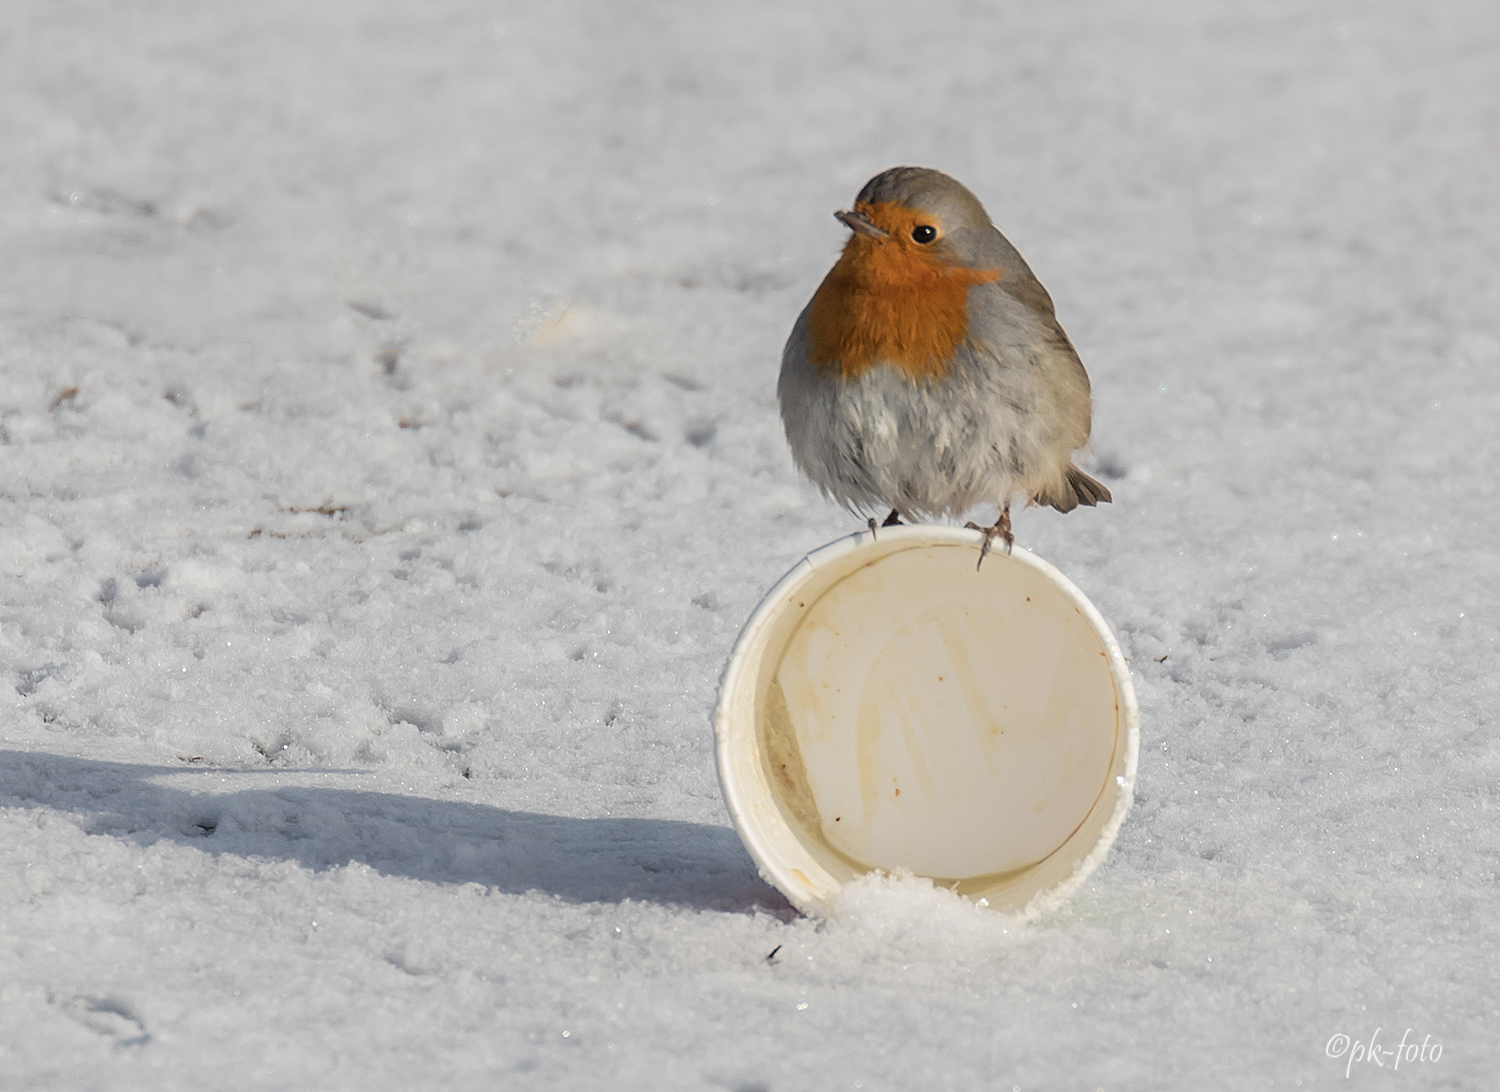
x=928, y=373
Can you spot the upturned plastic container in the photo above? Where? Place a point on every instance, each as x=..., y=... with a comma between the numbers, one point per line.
x=890, y=707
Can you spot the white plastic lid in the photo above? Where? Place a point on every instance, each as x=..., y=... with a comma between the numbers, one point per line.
x=889, y=707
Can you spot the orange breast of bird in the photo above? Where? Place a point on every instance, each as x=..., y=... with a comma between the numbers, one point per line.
x=891, y=301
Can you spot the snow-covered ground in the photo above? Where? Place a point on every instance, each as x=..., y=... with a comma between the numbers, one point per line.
x=389, y=457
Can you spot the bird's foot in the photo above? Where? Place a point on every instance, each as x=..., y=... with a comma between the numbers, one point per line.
x=892, y=520
x=1000, y=530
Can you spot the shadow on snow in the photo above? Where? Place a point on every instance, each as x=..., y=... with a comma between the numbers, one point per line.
x=438, y=841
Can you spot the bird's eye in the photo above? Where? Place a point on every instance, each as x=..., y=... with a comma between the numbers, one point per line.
x=924, y=233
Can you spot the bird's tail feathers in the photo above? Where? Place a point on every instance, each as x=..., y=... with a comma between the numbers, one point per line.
x=1076, y=488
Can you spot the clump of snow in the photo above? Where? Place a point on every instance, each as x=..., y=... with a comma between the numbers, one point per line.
x=882, y=915
x=389, y=456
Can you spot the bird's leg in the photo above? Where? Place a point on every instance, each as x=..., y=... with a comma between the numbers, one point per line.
x=892, y=520
x=1001, y=529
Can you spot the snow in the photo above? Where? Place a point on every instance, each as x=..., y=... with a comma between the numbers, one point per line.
x=390, y=457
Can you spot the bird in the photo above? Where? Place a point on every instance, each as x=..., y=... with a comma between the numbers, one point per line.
x=928, y=373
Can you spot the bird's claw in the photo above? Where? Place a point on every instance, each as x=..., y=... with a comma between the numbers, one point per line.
x=1001, y=530
x=892, y=520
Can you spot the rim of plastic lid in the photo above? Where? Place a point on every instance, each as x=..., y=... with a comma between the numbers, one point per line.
x=776, y=848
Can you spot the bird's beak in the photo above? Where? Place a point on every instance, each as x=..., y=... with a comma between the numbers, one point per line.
x=861, y=224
